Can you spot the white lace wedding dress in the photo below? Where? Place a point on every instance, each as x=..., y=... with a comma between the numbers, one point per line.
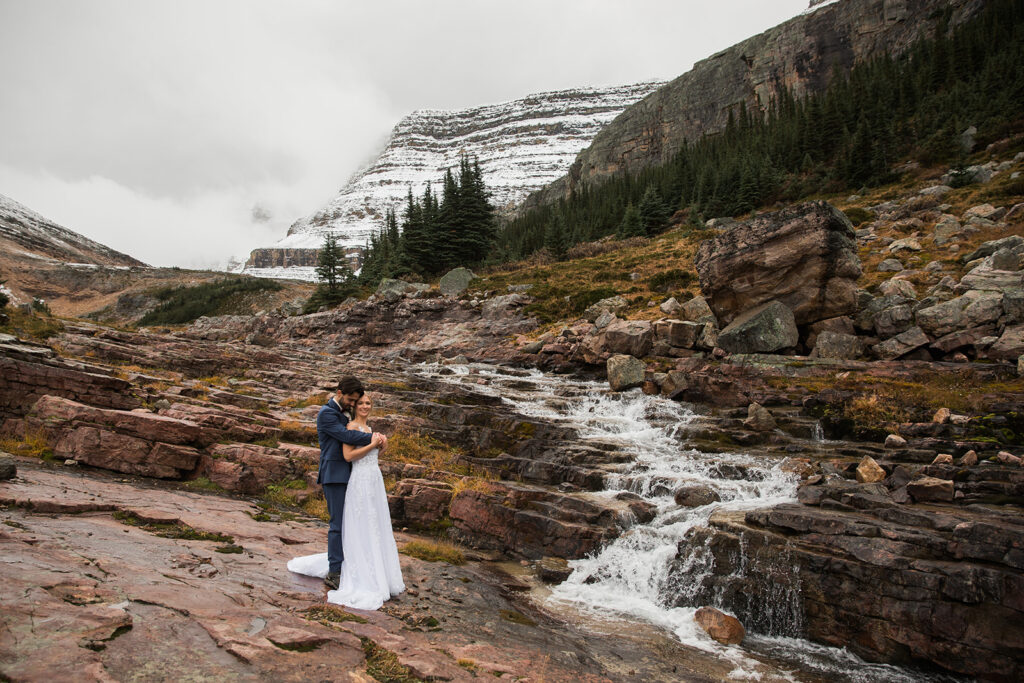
x=370, y=573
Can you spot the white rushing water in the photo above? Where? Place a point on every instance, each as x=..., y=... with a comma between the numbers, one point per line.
x=642, y=575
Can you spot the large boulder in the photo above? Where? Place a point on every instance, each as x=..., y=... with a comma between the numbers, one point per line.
x=804, y=257
x=455, y=281
x=625, y=372
x=696, y=310
x=767, y=328
x=634, y=337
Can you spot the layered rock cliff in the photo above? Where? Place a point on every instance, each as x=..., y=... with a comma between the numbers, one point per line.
x=800, y=54
x=521, y=146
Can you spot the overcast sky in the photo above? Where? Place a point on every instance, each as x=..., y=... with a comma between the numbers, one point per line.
x=185, y=132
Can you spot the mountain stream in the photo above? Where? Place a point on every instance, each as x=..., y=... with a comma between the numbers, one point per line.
x=641, y=576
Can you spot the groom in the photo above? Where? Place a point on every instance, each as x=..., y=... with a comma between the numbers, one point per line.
x=332, y=431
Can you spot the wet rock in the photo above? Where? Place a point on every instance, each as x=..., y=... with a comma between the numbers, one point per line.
x=696, y=496
x=804, y=257
x=553, y=570
x=721, y=627
x=8, y=468
x=455, y=281
x=869, y=471
x=759, y=418
x=625, y=372
x=931, y=489
x=767, y=328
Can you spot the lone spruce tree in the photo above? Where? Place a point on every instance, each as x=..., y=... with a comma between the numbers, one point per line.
x=334, y=274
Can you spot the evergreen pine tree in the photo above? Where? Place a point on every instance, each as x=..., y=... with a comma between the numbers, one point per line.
x=556, y=238
x=631, y=225
x=654, y=214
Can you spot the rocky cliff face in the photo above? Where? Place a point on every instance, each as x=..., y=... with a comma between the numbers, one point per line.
x=521, y=145
x=799, y=54
x=23, y=230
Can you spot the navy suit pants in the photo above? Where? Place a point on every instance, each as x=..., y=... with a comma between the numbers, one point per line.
x=335, y=495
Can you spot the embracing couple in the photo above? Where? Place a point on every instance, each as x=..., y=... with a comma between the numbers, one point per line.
x=360, y=566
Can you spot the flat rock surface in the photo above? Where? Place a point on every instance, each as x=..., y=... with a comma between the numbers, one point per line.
x=90, y=595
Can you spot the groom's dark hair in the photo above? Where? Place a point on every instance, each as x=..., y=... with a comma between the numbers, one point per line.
x=351, y=385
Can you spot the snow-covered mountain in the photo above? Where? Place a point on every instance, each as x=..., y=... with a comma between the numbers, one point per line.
x=25, y=232
x=521, y=146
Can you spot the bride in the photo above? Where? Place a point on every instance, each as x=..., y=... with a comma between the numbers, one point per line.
x=370, y=573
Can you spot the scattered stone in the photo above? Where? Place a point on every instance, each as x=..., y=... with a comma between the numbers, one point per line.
x=936, y=190
x=70, y=462
x=943, y=459
x=898, y=287
x=1007, y=458
x=759, y=418
x=696, y=496
x=625, y=372
x=969, y=459
x=765, y=329
x=890, y=265
x=869, y=471
x=613, y=305
x=674, y=384
x=455, y=281
x=902, y=344
x=986, y=211
x=632, y=337
x=723, y=628
x=838, y=346
x=905, y=244
x=696, y=310
x=1009, y=346
x=941, y=416
x=670, y=306
x=8, y=468
x=895, y=441
x=931, y=489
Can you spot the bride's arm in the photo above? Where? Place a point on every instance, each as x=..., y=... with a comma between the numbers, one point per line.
x=354, y=453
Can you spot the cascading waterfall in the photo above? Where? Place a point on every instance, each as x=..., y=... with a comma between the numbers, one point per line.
x=656, y=572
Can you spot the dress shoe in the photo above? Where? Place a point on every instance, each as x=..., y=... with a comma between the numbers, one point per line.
x=332, y=580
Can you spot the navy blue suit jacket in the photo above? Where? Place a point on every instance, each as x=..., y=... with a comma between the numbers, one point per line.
x=332, y=431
